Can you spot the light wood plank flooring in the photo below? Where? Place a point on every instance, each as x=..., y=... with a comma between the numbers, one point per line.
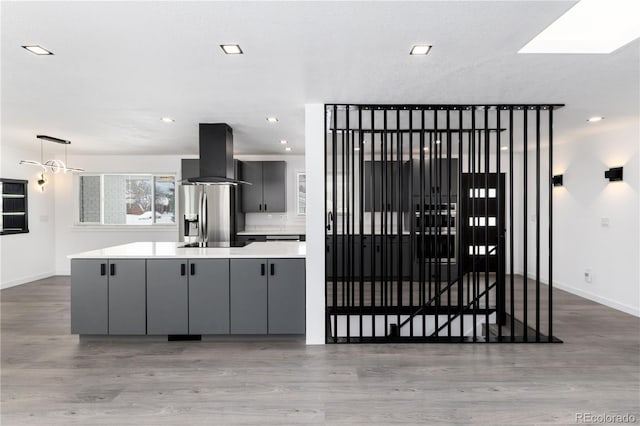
x=50, y=378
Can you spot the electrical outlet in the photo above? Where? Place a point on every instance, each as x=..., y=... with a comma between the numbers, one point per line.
x=588, y=275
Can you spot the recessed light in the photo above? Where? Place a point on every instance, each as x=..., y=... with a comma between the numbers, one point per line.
x=420, y=49
x=283, y=142
x=595, y=119
x=231, y=49
x=272, y=119
x=438, y=141
x=288, y=148
x=37, y=49
x=355, y=148
x=425, y=149
x=167, y=119
x=504, y=148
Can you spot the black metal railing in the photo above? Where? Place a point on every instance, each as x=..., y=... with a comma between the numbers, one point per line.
x=422, y=223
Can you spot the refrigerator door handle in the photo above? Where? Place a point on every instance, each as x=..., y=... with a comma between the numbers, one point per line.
x=202, y=218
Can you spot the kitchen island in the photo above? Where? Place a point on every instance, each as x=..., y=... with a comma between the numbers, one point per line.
x=163, y=288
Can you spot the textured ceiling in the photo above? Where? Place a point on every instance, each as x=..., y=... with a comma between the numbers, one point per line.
x=121, y=66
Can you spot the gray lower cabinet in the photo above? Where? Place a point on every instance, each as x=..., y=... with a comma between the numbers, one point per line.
x=127, y=298
x=209, y=296
x=89, y=296
x=267, y=296
x=286, y=298
x=248, y=283
x=167, y=296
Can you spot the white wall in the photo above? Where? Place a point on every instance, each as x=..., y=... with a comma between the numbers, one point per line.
x=28, y=257
x=71, y=239
x=314, y=151
x=295, y=164
x=580, y=240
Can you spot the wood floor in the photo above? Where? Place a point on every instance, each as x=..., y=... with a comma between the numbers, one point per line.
x=50, y=378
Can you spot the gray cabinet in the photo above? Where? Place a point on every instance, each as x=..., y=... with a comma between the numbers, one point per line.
x=209, y=296
x=267, y=192
x=108, y=296
x=127, y=298
x=274, y=186
x=252, y=194
x=382, y=181
x=89, y=296
x=267, y=296
x=436, y=180
x=248, y=283
x=167, y=296
x=286, y=299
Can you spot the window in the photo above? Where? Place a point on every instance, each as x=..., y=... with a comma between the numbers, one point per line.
x=126, y=199
x=301, y=194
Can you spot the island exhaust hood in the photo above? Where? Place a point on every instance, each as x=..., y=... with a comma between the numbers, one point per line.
x=216, y=156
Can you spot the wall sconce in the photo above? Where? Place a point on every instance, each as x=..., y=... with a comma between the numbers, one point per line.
x=557, y=180
x=613, y=174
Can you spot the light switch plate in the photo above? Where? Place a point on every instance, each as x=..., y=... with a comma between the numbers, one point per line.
x=604, y=222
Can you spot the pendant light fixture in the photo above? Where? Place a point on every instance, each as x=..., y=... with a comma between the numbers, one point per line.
x=53, y=166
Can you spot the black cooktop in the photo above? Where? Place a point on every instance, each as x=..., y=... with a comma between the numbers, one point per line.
x=218, y=244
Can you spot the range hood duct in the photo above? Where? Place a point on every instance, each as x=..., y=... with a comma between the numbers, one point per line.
x=216, y=156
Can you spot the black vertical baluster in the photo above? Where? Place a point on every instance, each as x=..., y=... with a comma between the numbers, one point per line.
x=500, y=230
x=511, y=228
x=433, y=172
x=343, y=275
x=550, y=224
x=524, y=237
x=487, y=145
x=385, y=220
x=460, y=226
x=411, y=217
x=334, y=230
x=448, y=232
x=361, y=216
x=421, y=239
x=474, y=198
x=346, y=230
x=537, y=224
x=372, y=196
x=399, y=217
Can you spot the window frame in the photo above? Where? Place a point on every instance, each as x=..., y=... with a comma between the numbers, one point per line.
x=101, y=225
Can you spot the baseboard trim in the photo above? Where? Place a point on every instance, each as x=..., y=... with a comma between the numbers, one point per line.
x=589, y=295
x=24, y=280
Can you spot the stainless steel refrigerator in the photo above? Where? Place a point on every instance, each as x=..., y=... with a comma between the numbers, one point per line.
x=210, y=214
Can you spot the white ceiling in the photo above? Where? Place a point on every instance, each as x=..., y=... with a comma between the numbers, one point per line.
x=119, y=67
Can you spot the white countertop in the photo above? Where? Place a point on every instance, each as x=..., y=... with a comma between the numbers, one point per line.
x=148, y=250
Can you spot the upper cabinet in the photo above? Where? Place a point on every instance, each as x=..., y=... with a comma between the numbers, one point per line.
x=13, y=208
x=436, y=174
x=267, y=192
x=382, y=186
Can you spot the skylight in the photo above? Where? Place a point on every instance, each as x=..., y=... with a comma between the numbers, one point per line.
x=591, y=26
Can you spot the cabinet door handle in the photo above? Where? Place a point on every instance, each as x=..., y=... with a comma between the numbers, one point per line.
x=183, y=269
x=262, y=269
x=112, y=269
x=103, y=269
x=265, y=207
x=260, y=207
x=273, y=269
x=193, y=269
